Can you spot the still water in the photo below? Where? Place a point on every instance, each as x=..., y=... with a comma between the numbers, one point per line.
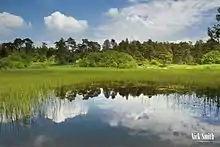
x=111, y=119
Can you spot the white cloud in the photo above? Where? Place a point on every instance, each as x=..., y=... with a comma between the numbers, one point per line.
x=48, y=42
x=65, y=24
x=157, y=19
x=161, y=115
x=203, y=37
x=10, y=21
x=136, y=1
x=59, y=110
x=132, y=1
x=40, y=140
x=113, y=12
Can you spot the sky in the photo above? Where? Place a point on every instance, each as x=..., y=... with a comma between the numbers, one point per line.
x=159, y=20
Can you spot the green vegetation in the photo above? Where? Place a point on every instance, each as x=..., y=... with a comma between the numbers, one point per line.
x=201, y=76
x=212, y=57
x=123, y=55
x=15, y=60
x=127, y=89
x=155, y=62
x=108, y=59
x=20, y=90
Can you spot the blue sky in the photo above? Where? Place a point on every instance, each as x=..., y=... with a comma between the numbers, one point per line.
x=162, y=20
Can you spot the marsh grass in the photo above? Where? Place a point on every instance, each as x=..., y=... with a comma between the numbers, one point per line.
x=34, y=79
x=20, y=90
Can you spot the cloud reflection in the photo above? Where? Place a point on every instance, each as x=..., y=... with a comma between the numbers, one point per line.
x=169, y=116
x=59, y=110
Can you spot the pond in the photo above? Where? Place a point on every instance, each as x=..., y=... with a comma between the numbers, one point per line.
x=116, y=116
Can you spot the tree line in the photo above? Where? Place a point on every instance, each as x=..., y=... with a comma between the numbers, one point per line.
x=22, y=52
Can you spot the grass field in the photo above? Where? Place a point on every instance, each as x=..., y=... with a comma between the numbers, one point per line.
x=55, y=76
x=71, y=75
x=20, y=88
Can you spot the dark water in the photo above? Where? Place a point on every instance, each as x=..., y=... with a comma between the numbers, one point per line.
x=116, y=118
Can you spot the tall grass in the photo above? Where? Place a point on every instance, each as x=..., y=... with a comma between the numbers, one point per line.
x=12, y=80
x=19, y=89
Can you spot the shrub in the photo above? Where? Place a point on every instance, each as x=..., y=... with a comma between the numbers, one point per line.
x=155, y=62
x=143, y=62
x=15, y=61
x=83, y=63
x=7, y=63
x=165, y=58
x=108, y=59
x=212, y=57
x=51, y=60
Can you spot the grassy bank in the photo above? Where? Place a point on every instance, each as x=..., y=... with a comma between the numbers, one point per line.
x=208, y=76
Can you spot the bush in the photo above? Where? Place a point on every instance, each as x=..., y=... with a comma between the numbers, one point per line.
x=51, y=60
x=212, y=57
x=108, y=59
x=44, y=63
x=7, y=63
x=15, y=61
x=155, y=62
x=143, y=62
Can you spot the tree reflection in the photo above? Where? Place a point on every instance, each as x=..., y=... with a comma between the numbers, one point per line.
x=110, y=90
x=209, y=98
x=211, y=95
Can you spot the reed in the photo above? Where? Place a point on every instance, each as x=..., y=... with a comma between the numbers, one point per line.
x=20, y=90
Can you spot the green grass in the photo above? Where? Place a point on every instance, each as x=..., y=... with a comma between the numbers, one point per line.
x=58, y=75
x=19, y=89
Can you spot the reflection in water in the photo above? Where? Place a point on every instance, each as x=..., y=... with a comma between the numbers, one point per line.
x=59, y=110
x=116, y=116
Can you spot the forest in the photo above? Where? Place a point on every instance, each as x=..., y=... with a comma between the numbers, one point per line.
x=21, y=52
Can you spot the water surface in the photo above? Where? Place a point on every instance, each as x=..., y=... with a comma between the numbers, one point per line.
x=123, y=117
